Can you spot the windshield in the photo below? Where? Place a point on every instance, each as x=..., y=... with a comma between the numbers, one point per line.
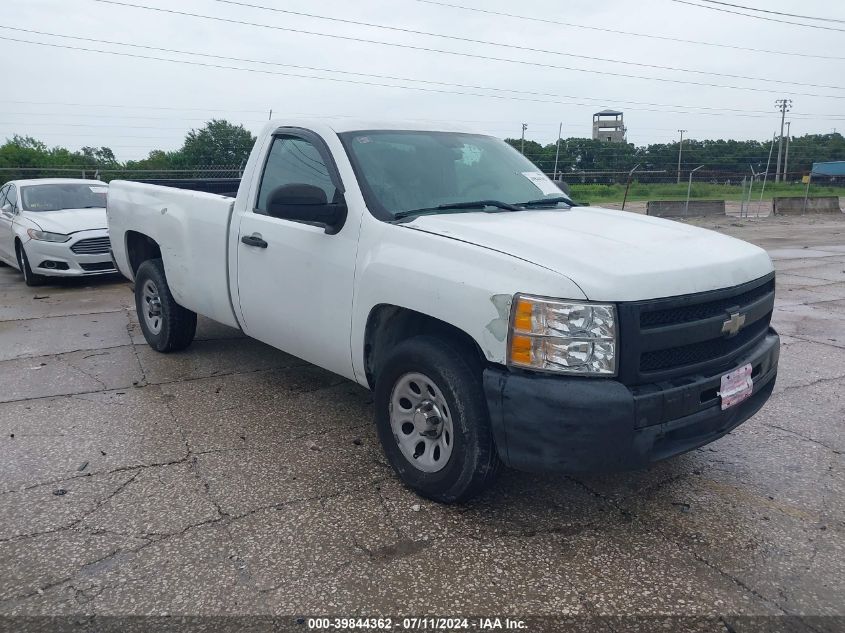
x=58, y=196
x=404, y=171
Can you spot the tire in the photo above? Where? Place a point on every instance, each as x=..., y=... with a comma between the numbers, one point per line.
x=167, y=326
x=451, y=383
x=29, y=278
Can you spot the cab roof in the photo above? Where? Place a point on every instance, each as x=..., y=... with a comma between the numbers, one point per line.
x=352, y=124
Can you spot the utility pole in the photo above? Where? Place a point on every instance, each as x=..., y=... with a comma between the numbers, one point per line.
x=680, y=149
x=766, y=177
x=557, y=150
x=750, y=189
x=784, y=105
x=522, y=147
x=689, y=189
x=628, y=185
x=786, y=152
x=271, y=115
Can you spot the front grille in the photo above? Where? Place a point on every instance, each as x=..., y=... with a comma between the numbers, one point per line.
x=700, y=352
x=665, y=339
x=92, y=246
x=97, y=266
x=683, y=314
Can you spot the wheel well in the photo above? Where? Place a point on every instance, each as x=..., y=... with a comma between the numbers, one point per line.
x=389, y=325
x=140, y=248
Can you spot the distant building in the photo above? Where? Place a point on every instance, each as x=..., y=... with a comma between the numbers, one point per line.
x=609, y=126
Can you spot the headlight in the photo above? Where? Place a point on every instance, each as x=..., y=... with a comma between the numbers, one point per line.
x=46, y=236
x=563, y=336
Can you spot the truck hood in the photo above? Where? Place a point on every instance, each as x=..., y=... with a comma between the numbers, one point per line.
x=611, y=255
x=68, y=220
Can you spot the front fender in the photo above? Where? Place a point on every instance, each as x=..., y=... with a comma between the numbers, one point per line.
x=21, y=223
x=467, y=286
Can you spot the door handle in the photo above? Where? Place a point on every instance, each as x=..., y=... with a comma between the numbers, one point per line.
x=254, y=240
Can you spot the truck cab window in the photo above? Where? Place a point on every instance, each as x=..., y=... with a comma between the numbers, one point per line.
x=293, y=160
x=406, y=170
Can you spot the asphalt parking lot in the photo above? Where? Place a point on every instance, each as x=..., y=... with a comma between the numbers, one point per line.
x=235, y=479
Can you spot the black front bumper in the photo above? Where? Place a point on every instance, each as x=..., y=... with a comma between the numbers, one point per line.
x=574, y=424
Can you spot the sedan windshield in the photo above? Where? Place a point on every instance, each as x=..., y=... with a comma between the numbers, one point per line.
x=405, y=172
x=58, y=196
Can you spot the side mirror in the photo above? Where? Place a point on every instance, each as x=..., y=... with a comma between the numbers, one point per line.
x=306, y=203
x=7, y=209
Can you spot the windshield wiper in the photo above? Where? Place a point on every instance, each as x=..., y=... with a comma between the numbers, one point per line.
x=544, y=201
x=473, y=204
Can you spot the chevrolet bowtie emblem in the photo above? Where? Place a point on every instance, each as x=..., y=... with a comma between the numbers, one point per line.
x=734, y=324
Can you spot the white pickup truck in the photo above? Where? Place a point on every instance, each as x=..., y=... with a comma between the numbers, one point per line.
x=496, y=321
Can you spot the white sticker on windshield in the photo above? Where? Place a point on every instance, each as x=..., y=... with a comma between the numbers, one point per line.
x=542, y=182
x=99, y=189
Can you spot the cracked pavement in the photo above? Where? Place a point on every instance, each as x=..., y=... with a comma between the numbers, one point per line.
x=235, y=479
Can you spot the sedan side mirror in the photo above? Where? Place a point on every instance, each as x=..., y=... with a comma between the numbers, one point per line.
x=7, y=209
x=306, y=203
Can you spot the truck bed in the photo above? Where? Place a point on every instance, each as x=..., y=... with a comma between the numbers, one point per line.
x=192, y=230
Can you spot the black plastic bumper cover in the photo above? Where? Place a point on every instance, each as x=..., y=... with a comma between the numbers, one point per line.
x=571, y=424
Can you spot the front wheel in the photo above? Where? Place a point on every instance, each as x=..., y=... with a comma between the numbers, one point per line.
x=29, y=278
x=167, y=326
x=432, y=420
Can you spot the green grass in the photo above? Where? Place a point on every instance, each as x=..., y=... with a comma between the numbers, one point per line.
x=646, y=191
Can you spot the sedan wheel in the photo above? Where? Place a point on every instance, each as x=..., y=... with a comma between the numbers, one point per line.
x=29, y=277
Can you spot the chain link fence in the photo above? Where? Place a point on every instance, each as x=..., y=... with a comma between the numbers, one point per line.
x=117, y=173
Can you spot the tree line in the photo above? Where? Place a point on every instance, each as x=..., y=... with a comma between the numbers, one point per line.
x=225, y=145
x=728, y=157
x=218, y=144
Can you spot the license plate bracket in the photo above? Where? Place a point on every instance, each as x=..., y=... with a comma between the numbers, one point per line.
x=736, y=386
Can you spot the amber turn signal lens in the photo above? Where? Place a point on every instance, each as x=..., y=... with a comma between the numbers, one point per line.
x=522, y=317
x=521, y=349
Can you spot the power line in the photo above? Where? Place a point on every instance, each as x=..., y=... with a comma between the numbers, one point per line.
x=122, y=136
x=97, y=125
x=515, y=46
x=456, y=53
x=316, y=116
x=595, y=100
x=319, y=69
x=107, y=105
x=756, y=17
x=352, y=81
x=789, y=15
x=118, y=116
x=665, y=38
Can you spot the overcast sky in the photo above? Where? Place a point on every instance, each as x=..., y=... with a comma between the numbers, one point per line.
x=134, y=104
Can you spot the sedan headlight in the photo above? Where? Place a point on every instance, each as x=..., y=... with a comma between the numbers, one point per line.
x=46, y=236
x=563, y=336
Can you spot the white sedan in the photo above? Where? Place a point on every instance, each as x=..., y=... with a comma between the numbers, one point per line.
x=55, y=227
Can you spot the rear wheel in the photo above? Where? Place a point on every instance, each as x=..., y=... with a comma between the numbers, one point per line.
x=29, y=277
x=432, y=420
x=167, y=326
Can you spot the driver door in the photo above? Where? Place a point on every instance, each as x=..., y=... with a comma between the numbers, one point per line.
x=295, y=280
